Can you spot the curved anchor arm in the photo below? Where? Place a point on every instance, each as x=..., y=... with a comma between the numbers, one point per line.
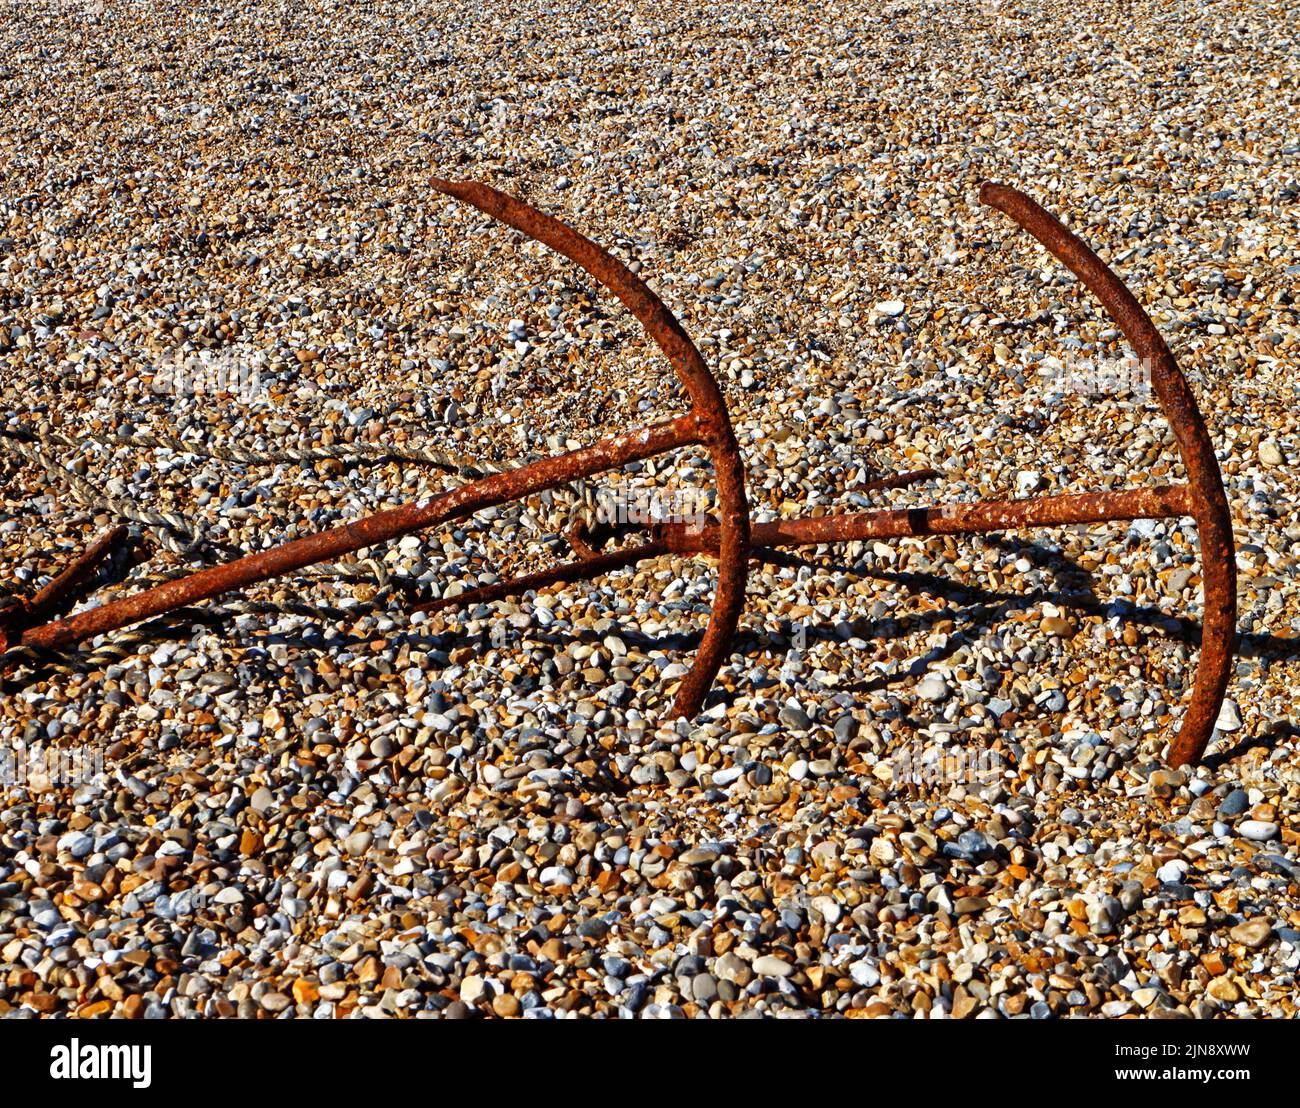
x=1209, y=503
x=706, y=401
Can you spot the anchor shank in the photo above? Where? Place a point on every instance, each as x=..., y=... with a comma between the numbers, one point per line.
x=1156, y=502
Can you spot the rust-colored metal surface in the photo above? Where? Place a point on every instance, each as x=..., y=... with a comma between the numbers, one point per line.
x=668, y=538
x=1209, y=503
x=945, y=519
x=381, y=527
x=730, y=537
x=708, y=407
x=62, y=590
x=949, y=519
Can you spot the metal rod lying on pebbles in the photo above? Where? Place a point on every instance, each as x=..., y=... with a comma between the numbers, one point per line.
x=1208, y=503
x=63, y=589
x=1161, y=502
x=486, y=492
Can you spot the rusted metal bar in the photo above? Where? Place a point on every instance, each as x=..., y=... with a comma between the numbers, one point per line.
x=381, y=527
x=1159, y=502
x=584, y=569
x=577, y=540
x=950, y=519
x=62, y=590
x=900, y=480
x=707, y=424
x=592, y=564
x=1209, y=503
x=64, y=587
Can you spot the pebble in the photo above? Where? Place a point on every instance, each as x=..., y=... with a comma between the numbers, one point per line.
x=506, y=1006
x=933, y=689
x=1229, y=717
x=768, y=965
x=1257, y=830
x=1234, y=804
x=1252, y=933
x=358, y=843
x=1171, y=873
x=795, y=718
x=965, y=905
x=1224, y=989
x=1270, y=455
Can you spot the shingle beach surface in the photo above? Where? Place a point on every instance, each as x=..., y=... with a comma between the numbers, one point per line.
x=232, y=312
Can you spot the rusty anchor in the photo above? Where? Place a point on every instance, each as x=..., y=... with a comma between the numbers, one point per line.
x=730, y=538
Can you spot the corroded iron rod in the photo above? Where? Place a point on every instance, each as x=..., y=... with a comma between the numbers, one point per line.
x=380, y=527
x=1158, y=502
x=950, y=519
x=706, y=402
x=63, y=588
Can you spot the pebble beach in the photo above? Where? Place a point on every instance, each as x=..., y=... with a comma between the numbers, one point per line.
x=929, y=783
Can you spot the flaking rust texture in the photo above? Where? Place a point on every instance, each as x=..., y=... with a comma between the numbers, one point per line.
x=28, y=624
